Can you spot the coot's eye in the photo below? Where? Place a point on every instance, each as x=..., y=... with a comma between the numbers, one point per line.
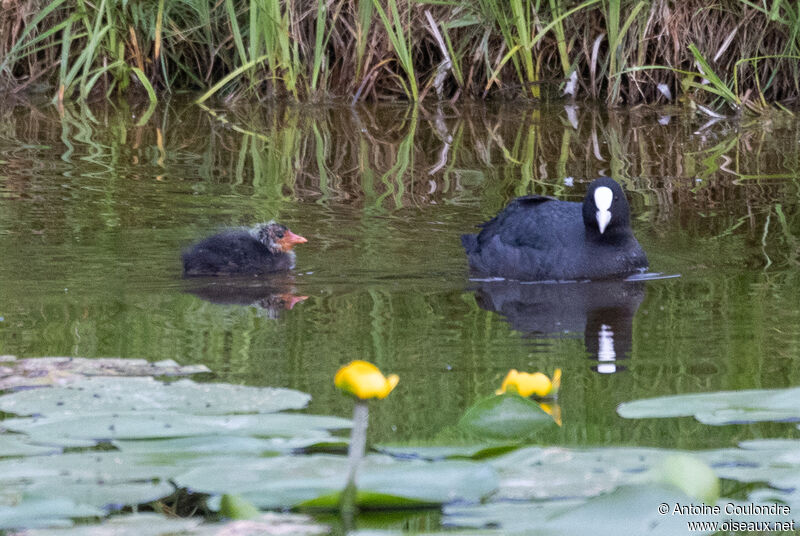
x=279, y=234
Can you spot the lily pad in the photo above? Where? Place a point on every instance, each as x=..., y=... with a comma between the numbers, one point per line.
x=44, y=512
x=722, y=407
x=104, y=395
x=46, y=371
x=101, y=479
x=225, y=444
x=474, y=452
x=505, y=417
x=18, y=445
x=144, y=524
x=316, y=480
x=628, y=510
x=536, y=473
x=169, y=424
x=267, y=524
x=773, y=461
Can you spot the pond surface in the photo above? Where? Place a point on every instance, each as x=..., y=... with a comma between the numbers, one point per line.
x=97, y=203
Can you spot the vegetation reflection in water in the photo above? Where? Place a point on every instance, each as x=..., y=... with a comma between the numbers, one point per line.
x=94, y=210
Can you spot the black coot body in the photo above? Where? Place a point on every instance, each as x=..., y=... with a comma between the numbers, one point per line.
x=537, y=238
x=265, y=248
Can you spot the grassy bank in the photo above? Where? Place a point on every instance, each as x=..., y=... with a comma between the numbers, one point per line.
x=743, y=53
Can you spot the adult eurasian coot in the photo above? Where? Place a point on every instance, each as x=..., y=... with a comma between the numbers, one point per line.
x=539, y=238
x=264, y=248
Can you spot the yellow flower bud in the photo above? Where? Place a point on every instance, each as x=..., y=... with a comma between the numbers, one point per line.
x=527, y=384
x=364, y=380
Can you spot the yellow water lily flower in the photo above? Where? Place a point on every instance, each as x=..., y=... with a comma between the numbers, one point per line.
x=364, y=380
x=527, y=384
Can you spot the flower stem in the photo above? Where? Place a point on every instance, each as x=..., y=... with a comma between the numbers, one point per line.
x=355, y=453
x=358, y=439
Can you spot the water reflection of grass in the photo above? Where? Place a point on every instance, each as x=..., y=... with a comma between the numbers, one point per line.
x=368, y=157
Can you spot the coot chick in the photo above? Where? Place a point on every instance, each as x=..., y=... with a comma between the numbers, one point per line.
x=266, y=247
x=538, y=238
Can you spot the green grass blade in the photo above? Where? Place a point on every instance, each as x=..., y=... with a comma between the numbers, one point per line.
x=365, y=10
x=62, y=68
x=236, y=31
x=398, y=39
x=233, y=74
x=86, y=88
x=720, y=87
x=148, y=87
x=319, y=40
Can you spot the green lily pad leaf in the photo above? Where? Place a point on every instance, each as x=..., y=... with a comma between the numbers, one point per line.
x=17, y=445
x=169, y=424
x=505, y=417
x=791, y=498
x=628, y=510
x=508, y=517
x=102, y=479
x=41, y=371
x=388, y=484
x=536, y=473
x=690, y=475
x=474, y=452
x=235, y=507
x=44, y=512
x=268, y=482
x=92, y=466
x=97, y=395
x=365, y=499
x=781, y=445
x=762, y=461
x=101, y=427
x=268, y=523
x=316, y=480
x=634, y=508
x=105, y=495
x=228, y=444
x=334, y=445
x=723, y=407
x=143, y=524
x=441, y=482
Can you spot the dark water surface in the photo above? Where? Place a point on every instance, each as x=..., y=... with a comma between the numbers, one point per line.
x=97, y=203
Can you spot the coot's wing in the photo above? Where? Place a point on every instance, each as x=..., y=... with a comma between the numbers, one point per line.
x=533, y=238
x=514, y=207
x=531, y=221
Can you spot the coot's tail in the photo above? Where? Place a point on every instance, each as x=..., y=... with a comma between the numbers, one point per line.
x=194, y=266
x=470, y=243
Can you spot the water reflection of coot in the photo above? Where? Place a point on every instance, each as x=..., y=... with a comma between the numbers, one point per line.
x=270, y=295
x=602, y=311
